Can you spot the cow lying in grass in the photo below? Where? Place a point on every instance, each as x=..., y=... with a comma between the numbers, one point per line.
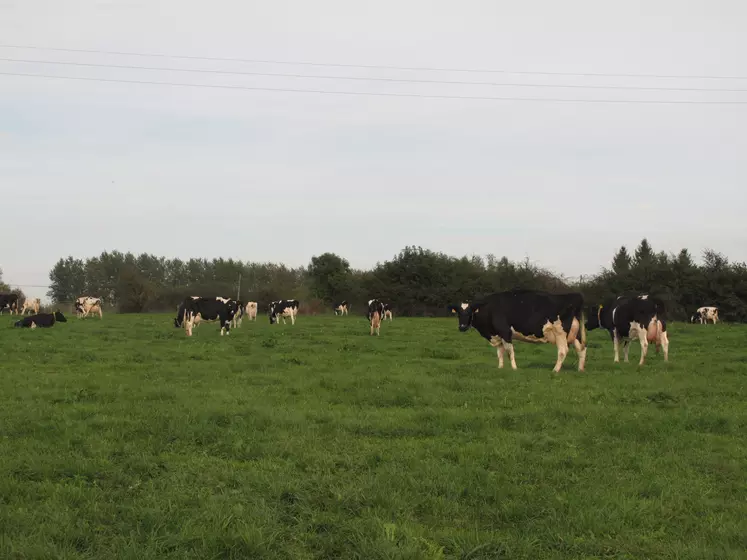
x=42, y=320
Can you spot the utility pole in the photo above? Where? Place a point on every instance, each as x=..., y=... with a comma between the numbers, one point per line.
x=238, y=289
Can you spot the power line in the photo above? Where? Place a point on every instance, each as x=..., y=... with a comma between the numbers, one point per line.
x=375, y=66
x=368, y=79
x=382, y=94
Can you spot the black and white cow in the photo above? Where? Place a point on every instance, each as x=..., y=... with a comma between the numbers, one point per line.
x=373, y=306
x=632, y=317
x=282, y=309
x=704, y=314
x=239, y=315
x=10, y=302
x=529, y=316
x=341, y=308
x=87, y=304
x=42, y=320
x=387, y=312
x=195, y=309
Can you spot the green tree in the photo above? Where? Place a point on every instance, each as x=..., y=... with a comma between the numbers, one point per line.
x=621, y=261
x=67, y=280
x=329, y=277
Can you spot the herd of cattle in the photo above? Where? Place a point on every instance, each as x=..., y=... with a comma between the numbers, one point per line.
x=525, y=315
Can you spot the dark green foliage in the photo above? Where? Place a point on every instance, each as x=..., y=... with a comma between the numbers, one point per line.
x=330, y=278
x=682, y=284
x=417, y=281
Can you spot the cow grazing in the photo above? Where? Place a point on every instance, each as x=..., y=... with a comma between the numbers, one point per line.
x=86, y=304
x=341, y=308
x=374, y=305
x=9, y=302
x=195, y=309
x=387, y=312
x=41, y=320
x=282, y=309
x=32, y=305
x=629, y=317
x=529, y=316
x=704, y=314
x=375, y=322
x=251, y=310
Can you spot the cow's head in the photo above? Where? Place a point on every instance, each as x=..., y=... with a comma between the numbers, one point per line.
x=465, y=312
x=59, y=317
x=232, y=307
x=272, y=313
x=695, y=318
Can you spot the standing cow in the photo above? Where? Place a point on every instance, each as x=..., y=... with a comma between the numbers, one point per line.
x=32, y=305
x=251, y=310
x=282, y=309
x=629, y=318
x=387, y=312
x=341, y=308
x=9, y=302
x=704, y=314
x=85, y=305
x=195, y=309
x=529, y=316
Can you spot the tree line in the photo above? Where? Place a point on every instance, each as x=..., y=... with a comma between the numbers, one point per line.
x=417, y=281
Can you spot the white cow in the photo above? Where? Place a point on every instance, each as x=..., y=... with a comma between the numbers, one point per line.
x=32, y=304
x=251, y=310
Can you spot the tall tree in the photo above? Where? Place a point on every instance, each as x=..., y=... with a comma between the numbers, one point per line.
x=621, y=261
x=329, y=277
x=67, y=280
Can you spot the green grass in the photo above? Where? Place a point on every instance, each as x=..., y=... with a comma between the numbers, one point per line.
x=123, y=438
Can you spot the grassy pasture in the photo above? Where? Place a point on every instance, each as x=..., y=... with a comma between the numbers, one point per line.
x=123, y=438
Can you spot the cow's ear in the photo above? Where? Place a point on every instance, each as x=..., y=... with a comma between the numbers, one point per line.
x=452, y=308
x=475, y=307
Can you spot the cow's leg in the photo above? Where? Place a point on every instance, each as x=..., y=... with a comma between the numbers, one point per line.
x=561, y=341
x=510, y=349
x=626, y=349
x=501, y=350
x=643, y=339
x=293, y=319
x=581, y=351
x=664, y=341
x=616, y=344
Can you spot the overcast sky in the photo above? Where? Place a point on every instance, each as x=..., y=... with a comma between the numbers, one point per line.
x=88, y=166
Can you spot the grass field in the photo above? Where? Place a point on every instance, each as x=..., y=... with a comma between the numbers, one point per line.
x=123, y=438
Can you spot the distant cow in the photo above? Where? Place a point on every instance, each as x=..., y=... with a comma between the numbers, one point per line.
x=529, y=316
x=41, y=320
x=10, y=302
x=387, y=312
x=31, y=304
x=282, y=309
x=632, y=317
x=196, y=309
x=86, y=304
x=375, y=322
x=704, y=314
x=251, y=310
x=341, y=308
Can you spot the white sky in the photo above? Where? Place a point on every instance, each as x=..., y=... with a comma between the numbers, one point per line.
x=186, y=172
